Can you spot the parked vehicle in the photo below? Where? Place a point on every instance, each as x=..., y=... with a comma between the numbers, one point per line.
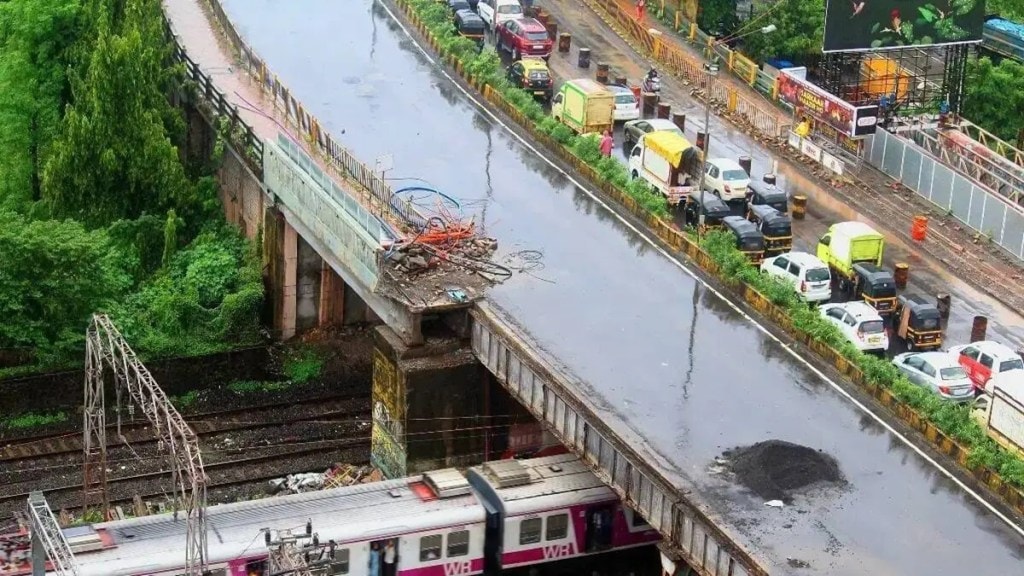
x=749, y=239
x=585, y=106
x=532, y=75
x=984, y=359
x=808, y=275
x=634, y=129
x=627, y=107
x=761, y=193
x=918, y=322
x=497, y=12
x=876, y=286
x=457, y=5
x=469, y=25
x=938, y=372
x=776, y=228
x=860, y=323
x=726, y=179
x=665, y=161
x=846, y=244
x=524, y=37
x=712, y=207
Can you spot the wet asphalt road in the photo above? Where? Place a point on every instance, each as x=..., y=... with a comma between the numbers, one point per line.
x=666, y=360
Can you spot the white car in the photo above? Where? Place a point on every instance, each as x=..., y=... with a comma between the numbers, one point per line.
x=937, y=371
x=985, y=359
x=627, y=107
x=496, y=12
x=860, y=323
x=726, y=179
x=634, y=129
x=809, y=277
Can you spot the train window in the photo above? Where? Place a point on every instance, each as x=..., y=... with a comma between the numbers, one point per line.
x=458, y=543
x=529, y=531
x=339, y=564
x=558, y=527
x=430, y=548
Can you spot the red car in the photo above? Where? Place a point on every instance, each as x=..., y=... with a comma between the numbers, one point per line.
x=524, y=37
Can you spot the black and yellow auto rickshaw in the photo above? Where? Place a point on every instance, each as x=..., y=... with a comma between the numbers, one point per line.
x=876, y=286
x=776, y=228
x=761, y=193
x=713, y=208
x=749, y=239
x=469, y=25
x=918, y=322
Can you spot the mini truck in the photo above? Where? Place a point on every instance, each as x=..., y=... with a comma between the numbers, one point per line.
x=846, y=244
x=585, y=106
x=665, y=160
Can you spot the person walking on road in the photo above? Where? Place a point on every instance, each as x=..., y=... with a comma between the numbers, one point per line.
x=641, y=10
x=606, y=143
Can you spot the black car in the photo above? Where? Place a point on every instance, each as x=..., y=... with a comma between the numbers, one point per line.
x=456, y=5
x=471, y=26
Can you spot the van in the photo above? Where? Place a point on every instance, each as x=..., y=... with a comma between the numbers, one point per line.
x=497, y=12
x=585, y=106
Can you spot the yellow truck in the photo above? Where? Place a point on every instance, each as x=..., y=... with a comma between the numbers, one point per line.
x=585, y=106
x=849, y=243
x=665, y=160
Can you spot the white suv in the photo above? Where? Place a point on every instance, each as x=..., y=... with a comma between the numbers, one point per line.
x=860, y=323
x=726, y=179
x=808, y=276
x=496, y=12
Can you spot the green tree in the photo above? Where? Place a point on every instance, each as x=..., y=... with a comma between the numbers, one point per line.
x=54, y=275
x=1009, y=9
x=995, y=97
x=170, y=237
x=800, y=26
x=717, y=17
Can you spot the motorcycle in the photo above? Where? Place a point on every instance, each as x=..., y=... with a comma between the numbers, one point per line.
x=652, y=82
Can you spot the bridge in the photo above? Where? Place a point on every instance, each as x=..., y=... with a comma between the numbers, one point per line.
x=629, y=356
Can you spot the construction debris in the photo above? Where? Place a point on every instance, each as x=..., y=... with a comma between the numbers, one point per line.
x=335, y=477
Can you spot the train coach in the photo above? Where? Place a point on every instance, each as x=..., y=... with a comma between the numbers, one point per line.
x=503, y=514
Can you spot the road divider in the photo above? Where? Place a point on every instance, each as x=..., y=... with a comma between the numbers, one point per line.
x=948, y=427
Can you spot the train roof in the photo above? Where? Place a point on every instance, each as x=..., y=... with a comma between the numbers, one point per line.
x=354, y=513
x=539, y=484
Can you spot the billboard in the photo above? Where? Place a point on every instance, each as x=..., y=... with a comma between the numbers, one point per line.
x=809, y=100
x=880, y=24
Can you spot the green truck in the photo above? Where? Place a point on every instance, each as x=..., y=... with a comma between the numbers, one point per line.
x=585, y=106
x=849, y=243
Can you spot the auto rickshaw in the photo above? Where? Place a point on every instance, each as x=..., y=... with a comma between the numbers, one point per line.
x=876, y=286
x=776, y=228
x=918, y=322
x=714, y=209
x=469, y=25
x=760, y=193
x=749, y=239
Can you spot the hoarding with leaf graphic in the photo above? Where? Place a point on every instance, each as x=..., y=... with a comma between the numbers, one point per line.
x=852, y=25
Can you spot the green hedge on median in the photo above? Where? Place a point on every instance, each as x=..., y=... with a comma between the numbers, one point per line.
x=954, y=420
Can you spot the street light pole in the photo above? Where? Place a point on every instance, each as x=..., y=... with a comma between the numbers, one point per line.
x=711, y=70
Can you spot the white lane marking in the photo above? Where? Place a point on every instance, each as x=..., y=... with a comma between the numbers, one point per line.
x=1009, y=522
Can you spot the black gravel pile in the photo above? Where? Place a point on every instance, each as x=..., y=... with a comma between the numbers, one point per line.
x=774, y=469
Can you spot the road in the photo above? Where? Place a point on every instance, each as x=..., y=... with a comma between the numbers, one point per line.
x=662, y=356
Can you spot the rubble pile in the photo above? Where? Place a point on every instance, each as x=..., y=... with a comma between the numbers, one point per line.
x=416, y=258
x=335, y=477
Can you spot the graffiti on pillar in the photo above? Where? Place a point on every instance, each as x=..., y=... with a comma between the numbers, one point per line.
x=387, y=443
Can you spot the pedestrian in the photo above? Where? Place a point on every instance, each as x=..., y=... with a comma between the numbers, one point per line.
x=390, y=556
x=641, y=10
x=607, y=142
x=375, y=559
x=803, y=128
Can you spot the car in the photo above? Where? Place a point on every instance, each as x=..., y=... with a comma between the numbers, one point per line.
x=456, y=5
x=809, y=277
x=497, y=12
x=726, y=179
x=634, y=129
x=532, y=75
x=985, y=358
x=860, y=323
x=627, y=107
x=937, y=371
x=524, y=37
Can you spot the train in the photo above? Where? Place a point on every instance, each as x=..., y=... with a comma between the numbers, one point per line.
x=503, y=514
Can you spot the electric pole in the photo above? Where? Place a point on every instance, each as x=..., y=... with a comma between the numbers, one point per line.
x=297, y=555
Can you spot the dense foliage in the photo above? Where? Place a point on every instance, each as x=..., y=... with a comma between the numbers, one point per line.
x=800, y=26
x=995, y=97
x=97, y=210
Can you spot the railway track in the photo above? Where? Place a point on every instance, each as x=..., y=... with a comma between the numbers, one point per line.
x=204, y=424
x=221, y=474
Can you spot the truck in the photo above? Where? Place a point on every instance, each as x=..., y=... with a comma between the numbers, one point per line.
x=585, y=106
x=849, y=243
x=665, y=160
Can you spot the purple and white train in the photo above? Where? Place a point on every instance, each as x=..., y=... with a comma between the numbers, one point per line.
x=503, y=514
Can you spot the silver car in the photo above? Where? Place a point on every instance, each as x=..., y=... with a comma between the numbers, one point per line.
x=939, y=372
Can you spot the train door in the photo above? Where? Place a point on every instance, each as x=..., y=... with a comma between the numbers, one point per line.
x=493, y=540
x=599, y=528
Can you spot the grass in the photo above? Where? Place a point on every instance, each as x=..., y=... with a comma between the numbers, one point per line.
x=185, y=400
x=303, y=364
x=33, y=420
x=259, y=386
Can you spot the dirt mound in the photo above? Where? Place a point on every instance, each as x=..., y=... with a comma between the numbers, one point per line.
x=773, y=469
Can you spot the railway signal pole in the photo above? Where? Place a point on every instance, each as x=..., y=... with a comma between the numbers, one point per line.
x=106, y=348
x=297, y=555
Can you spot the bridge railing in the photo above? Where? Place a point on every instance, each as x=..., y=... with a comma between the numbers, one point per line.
x=376, y=193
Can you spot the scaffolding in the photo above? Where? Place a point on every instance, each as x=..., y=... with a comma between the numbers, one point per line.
x=301, y=554
x=48, y=541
